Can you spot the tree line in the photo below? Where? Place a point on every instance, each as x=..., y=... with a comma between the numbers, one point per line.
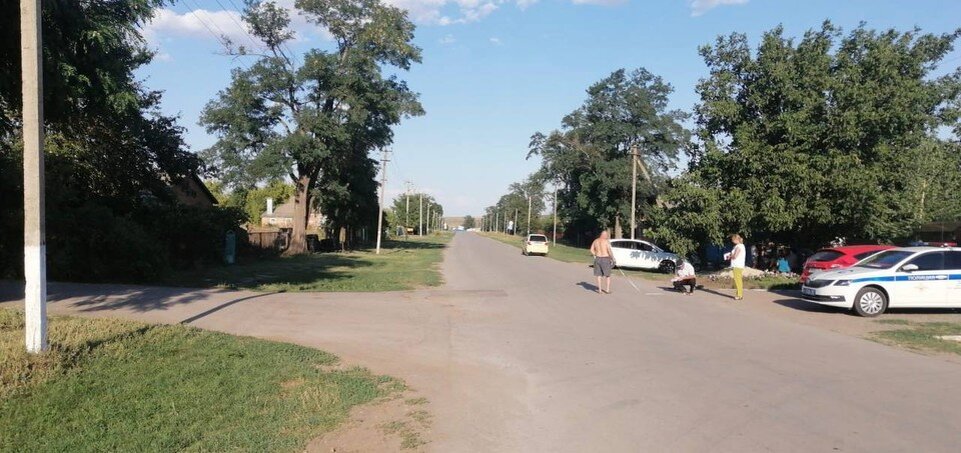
x=113, y=159
x=797, y=140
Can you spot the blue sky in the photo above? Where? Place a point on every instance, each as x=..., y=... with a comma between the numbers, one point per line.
x=496, y=71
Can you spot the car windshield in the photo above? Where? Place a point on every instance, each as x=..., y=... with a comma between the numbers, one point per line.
x=826, y=255
x=885, y=260
x=538, y=238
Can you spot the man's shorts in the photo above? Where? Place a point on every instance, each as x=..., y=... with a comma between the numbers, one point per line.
x=603, y=266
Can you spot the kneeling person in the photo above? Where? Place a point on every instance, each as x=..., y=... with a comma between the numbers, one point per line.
x=684, y=277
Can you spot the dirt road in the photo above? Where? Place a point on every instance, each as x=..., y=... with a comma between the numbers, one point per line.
x=517, y=354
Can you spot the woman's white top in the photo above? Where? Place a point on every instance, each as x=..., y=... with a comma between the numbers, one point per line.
x=738, y=261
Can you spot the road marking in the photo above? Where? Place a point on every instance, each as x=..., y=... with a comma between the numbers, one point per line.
x=652, y=294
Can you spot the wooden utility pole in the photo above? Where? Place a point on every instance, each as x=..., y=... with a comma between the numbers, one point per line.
x=34, y=235
x=633, y=190
x=383, y=189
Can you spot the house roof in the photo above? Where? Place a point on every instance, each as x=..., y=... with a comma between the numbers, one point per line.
x=285, y=210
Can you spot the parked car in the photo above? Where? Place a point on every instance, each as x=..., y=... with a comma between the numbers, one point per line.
x=638, y=254
x=835, y=258
x=898, y=277
x=535, y=244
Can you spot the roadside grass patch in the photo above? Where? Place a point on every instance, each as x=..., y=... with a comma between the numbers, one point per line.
x=111, y=385
x=401, y=265
x=921, y=337
x=571, y=254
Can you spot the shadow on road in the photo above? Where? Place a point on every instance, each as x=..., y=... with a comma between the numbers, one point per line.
x=221, y=307
x=588, y=286
x=811, y=307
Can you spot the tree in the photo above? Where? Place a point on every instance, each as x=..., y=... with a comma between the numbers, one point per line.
x=828, y=136
x=315, y=119
x=590, y=155
x=110, y=153
x=415, y=217
x=469, y=222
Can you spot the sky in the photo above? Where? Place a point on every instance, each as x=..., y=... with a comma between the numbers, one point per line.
x=494, y=72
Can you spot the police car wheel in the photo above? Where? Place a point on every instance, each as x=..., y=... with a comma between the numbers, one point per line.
x=870, y=302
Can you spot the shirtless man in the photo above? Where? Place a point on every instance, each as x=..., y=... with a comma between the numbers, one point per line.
x=603, y=260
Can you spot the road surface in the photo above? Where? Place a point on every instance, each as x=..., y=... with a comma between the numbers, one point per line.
x=518, y=354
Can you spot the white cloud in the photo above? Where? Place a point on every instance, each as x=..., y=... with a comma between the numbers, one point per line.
x=599, y=2
x=447, y=39
x=496, y=41
x=699, y=7
x=163, y=57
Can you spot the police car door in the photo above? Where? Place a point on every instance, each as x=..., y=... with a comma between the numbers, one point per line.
x=926, y=287
x=952, y=264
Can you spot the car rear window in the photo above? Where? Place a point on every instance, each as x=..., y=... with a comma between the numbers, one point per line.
x=538, y=238
x=826, y=255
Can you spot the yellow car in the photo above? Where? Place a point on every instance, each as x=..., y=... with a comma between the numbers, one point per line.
x=535, y=244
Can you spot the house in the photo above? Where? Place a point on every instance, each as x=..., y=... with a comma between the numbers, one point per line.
x=283, y=216
x=191, y=191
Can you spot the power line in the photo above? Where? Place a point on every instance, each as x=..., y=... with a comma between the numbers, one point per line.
x=239, y=25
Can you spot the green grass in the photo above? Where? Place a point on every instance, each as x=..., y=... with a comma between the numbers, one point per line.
x=110, y=385
x=570, y=254
x=921, y=337
x=401, y=265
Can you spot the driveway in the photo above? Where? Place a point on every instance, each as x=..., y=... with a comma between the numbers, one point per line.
x=517, y=354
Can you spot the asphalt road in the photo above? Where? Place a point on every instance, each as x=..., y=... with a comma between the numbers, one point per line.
x=518, y=354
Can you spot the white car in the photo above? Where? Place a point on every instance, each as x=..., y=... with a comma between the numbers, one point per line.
x=901, y=277
x=638, y=254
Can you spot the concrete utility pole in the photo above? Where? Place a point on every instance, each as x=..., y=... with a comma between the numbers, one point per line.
x=420, y=218
x=529, y=200
x=633, y=189
x=34, y=236
x=383, y=189
x=407, y=210
x=514, y=231
x=555, y=215
x=428, y=217
x=497, y=219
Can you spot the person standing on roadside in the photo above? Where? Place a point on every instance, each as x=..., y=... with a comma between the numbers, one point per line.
x=737, y=256
x=603, y=260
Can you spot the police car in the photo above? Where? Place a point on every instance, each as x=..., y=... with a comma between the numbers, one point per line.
x=901, y=277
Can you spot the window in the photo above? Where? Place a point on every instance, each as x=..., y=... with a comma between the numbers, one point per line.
x=885, y=260
x=644, y=246
x=621, y=245
x=538, y=238
x=952, y=260
x=826, y=255
x=863, y=255
x=933, y=261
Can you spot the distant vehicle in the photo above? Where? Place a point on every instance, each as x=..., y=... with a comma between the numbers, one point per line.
x=835, y=258
x=926, y=277
x=535, y=244
x=460, y=228
x=638, y=254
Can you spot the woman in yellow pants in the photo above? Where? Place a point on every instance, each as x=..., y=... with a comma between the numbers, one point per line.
x=737, y=265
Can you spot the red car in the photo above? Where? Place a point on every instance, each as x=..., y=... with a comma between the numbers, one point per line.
x=838, y=258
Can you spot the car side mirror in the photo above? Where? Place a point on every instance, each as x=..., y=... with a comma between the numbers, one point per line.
x=909, y=268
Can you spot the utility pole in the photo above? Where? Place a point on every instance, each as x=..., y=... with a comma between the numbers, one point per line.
x=383, y=189
x=529, y=201
x=34, y=219
x=497, y=219
x=428, y=217
x=633, y=189
x=420, y=218
x=514, y=232
x=407, y=209
x=555, y=215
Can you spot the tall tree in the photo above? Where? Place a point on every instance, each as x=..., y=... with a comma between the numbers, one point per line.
x=831, y=135
x=315, y=118
x=469, y=222
x=591, y=155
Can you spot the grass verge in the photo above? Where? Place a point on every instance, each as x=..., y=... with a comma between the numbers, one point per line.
x=401, y=265
x=922, y=337
x=110, y=385
x=570, y=254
